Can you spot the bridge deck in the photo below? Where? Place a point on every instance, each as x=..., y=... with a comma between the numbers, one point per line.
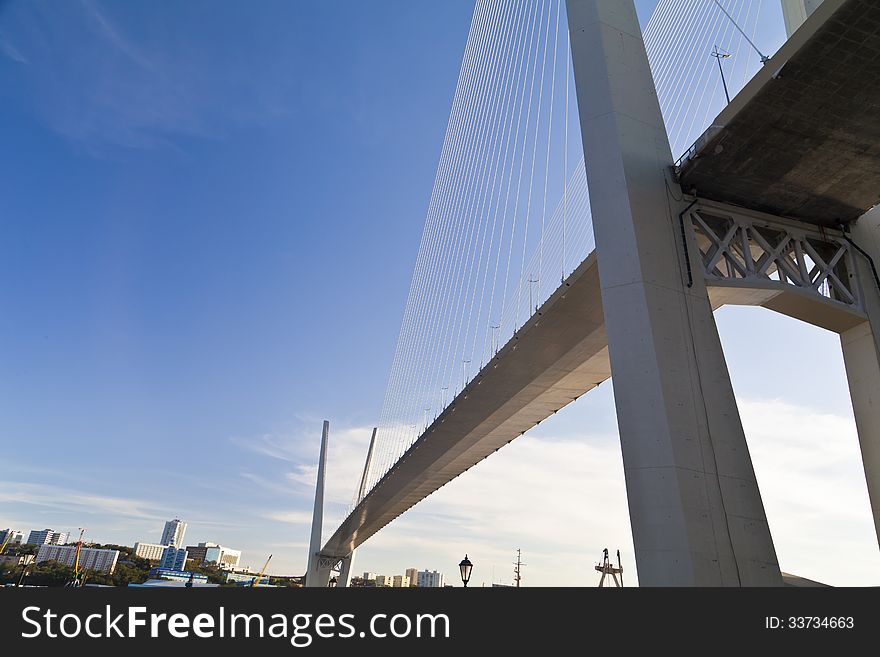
x=558, y=355
x=802, y=139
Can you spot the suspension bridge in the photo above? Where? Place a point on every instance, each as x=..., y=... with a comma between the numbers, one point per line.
x=566, y=243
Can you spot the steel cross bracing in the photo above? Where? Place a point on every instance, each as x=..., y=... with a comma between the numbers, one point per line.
x=741, y=249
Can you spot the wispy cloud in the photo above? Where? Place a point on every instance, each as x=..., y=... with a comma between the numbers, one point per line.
x=76, y=501
x=102, y=82
x=10, y=51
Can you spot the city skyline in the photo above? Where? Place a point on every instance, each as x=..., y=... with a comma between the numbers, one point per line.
x=162, y=555
x=173, y=348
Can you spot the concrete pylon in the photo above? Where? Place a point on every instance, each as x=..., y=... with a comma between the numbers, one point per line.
x=348, y=562
x=315, y=575
x=861, y=356
x=696, y=512
x=796, y=12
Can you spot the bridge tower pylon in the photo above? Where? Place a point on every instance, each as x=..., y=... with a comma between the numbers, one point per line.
x=695, y=508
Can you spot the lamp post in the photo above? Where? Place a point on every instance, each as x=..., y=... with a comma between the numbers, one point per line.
x=465, y=567
x=719, y=55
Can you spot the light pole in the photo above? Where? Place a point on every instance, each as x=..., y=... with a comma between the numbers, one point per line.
x=465, y=567
x=719, y=55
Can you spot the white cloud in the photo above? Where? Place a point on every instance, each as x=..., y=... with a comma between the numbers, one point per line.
x=563, y=500
x=812, y=482
x=560, y=500
x=291, y=517
x=76, y=501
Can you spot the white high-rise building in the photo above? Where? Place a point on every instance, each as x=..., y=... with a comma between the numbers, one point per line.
x=89, y=558
x=47, y=537
x=429, y=579
x=173, y=533
x=151, y=551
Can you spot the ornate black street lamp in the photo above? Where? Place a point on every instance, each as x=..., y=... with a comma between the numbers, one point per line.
x=465, y=567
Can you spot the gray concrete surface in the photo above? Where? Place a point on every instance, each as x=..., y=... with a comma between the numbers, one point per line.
x=802, y=139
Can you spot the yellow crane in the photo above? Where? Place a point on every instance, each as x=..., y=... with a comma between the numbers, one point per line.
x=262, y=572
x=76, y=580
x=6, y=541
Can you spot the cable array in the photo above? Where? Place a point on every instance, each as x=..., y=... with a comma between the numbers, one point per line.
x=509, y=214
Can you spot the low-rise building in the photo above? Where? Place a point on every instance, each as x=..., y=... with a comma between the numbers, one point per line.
x=89, y=558
x=369, y=576
x=178, y=575
x=400, y=582
x=214, y=553
x=384, y=580
x=247, y=578
x=150, y=551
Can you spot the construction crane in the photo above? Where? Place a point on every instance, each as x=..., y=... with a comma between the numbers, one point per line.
x=76, y=577
x=262, y=572
x=6, y=541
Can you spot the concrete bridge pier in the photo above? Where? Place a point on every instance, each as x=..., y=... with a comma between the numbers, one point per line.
x=696, y=512
x=861, y=356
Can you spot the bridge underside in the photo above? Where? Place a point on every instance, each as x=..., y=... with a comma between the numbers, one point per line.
x=802, y=138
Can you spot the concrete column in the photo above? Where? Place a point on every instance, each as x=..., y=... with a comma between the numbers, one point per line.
x=315, y=576
x=695, y=508
x=345, y=574
x=795, y=12
x=861, y=356
x=348, y=562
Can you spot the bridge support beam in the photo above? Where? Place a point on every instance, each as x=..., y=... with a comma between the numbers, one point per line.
x=861, y=356
x=348, y=562
x=345, y=571
x=696, y=512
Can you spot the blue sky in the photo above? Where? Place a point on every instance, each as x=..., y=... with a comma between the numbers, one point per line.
x=210, y=216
